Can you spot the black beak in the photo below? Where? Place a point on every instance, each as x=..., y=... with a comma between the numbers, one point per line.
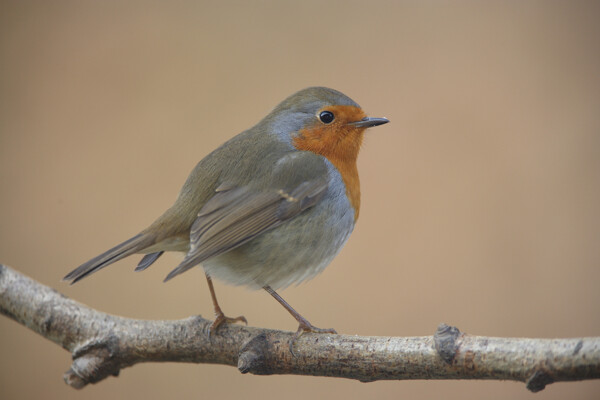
x=367, y=122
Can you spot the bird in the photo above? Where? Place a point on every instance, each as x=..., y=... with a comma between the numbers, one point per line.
x=269, y=208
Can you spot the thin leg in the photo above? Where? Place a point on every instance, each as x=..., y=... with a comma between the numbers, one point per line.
x=304, y=326
x=219, y=315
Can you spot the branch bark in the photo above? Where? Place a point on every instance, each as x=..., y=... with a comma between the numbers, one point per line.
x=102, y=345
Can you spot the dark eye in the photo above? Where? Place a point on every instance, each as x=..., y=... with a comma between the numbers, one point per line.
x=326, y=117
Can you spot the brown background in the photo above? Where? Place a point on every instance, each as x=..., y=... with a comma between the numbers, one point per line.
x=480, y=199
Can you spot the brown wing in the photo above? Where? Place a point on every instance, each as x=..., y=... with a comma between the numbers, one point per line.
x=235, y=215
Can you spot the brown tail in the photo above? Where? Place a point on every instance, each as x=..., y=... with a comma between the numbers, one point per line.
x=127, y=248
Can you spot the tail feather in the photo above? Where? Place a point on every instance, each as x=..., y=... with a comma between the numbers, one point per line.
x=148, y=260
x=127, y=248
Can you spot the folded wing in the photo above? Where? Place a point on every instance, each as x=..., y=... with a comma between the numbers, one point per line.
x=235, y=215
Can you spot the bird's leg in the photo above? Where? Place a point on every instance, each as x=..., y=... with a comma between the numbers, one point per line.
x=219, y=316
x=305, y=326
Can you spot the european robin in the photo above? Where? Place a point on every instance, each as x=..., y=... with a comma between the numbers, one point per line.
x=270, y=207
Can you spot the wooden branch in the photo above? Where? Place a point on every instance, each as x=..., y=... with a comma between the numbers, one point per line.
x=103, y=344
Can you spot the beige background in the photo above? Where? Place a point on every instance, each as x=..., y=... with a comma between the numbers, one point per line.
x=481, y=199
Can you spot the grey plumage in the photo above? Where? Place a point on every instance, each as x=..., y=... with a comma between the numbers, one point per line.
x=148, y=260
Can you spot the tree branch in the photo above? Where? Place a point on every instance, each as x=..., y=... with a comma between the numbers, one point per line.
x=103, y=344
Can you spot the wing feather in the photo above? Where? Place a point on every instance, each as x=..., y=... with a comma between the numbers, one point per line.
x=235, y=215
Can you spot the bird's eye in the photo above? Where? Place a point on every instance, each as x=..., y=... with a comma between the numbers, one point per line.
x=326, y=117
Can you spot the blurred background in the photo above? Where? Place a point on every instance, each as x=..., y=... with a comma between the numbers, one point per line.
x=480, y=199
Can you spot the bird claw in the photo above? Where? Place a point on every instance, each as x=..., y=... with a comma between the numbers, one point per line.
x=307, y=327
x=222, y=319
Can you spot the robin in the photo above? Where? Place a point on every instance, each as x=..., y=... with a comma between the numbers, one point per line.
x=270, y=207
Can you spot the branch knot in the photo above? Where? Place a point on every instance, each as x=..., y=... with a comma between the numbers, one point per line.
x=252, y=356
x=94, y=361
x=445, y=339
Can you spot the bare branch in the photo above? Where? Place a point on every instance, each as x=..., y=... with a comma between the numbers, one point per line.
x=103, y=344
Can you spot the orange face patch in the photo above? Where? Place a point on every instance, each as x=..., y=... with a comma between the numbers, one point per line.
x=339, y=142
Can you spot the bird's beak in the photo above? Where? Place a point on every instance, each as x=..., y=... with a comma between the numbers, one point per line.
x=367, y=122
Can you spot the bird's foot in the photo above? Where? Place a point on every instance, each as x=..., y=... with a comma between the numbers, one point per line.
x=220, y=319
x=305, y=327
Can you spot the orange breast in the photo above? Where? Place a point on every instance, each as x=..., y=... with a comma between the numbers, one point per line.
x=339, y=143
